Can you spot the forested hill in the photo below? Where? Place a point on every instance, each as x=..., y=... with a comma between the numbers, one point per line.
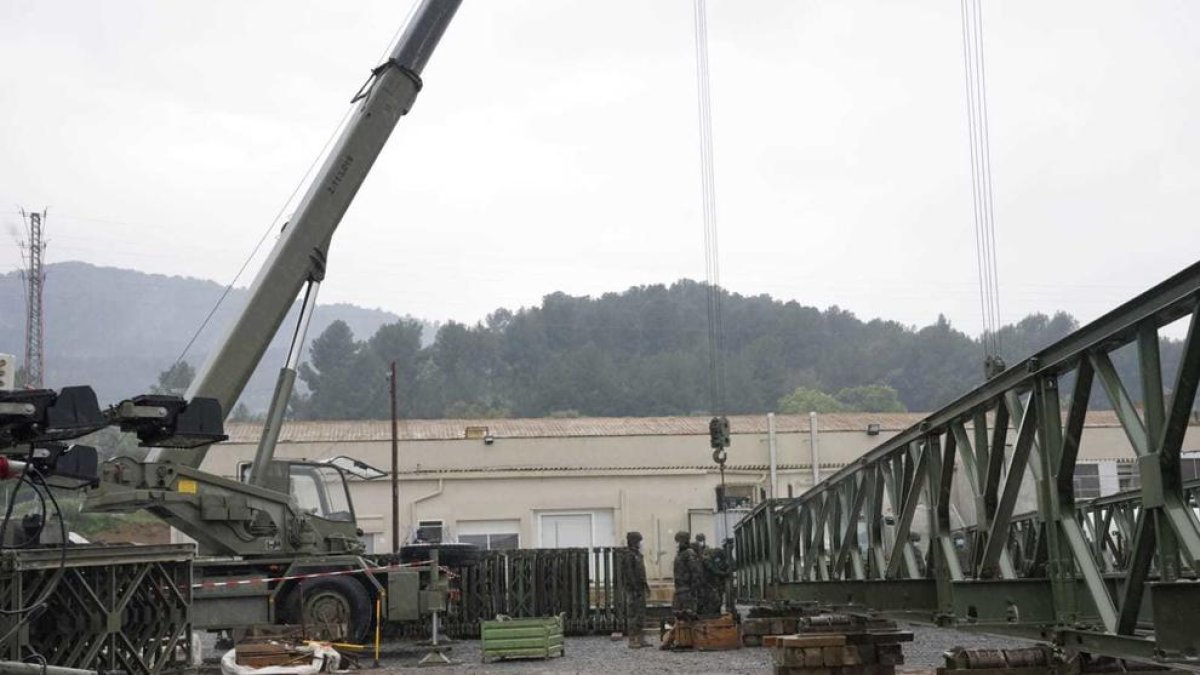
x=116, y=329
x=644, y=352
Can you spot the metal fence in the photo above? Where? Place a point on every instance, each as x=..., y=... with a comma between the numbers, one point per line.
x=585, y=585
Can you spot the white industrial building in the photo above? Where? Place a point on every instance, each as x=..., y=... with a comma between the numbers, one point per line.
x=507, y=483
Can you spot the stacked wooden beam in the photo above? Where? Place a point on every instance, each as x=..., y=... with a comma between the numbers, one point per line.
x=756, y=629
x=838, y=644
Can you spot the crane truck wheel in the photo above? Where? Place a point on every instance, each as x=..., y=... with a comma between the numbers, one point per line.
x=334, y=608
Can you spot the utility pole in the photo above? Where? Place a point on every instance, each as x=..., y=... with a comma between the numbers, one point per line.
x=34, y=277
x=395, y=466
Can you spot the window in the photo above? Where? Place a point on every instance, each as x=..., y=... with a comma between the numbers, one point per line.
x=1190, y=467
x=735, y=496
x=320, y=491
x=368, y=541
x=1087, y=481
x=575, y=528
x=566, y=530
x=1128, y=476
x=492, y=542
x=492, y=535
x=430, y=531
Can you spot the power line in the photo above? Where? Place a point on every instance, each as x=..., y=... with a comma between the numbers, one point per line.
x=303, y=181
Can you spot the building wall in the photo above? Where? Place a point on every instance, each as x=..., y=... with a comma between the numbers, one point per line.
x=556, y=486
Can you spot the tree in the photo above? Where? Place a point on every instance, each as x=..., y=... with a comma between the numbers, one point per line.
x=241, y=413
x=871, y=398
x=330, y=375
x=804, y=400
x=174, y=381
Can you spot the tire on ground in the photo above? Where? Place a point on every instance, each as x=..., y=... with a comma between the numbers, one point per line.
x=330, y=600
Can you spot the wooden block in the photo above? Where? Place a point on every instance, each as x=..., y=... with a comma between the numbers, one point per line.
x=885, y=637
x=833, y=656
x=789, y=625
x=851, y=656
x=792, y=658
x=814, y=657
x=770, y=640
x=889, y=655
x=824, y=640
x=777, y=627
x=756, y=627
x=866, y=654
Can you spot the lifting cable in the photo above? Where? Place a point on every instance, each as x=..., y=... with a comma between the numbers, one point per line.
x=718, y=426
x=981, y=183
x=274, y=224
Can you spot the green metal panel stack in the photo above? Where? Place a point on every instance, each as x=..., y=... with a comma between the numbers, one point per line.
x=538, y=637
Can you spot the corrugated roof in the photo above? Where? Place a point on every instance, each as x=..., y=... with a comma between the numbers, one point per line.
x=546, y=427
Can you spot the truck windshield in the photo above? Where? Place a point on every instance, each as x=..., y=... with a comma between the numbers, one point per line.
x=321, y=491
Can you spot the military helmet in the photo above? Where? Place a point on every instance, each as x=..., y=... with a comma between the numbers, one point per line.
x=682, y=537
x=633, y=538
x=700, y=538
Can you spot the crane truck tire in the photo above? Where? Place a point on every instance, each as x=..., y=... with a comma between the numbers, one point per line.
x=330, y=606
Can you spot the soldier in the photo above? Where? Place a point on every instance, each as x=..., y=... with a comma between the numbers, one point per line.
x=708, y=599
x=636, y=589
x=720, y=569
x=689, y=576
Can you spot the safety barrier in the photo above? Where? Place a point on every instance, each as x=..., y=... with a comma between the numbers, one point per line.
x=584, y=585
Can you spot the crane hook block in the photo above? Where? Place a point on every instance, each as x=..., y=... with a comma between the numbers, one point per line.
x=718, y=433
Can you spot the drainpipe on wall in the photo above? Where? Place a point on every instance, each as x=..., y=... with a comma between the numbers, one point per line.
x=813, y=446
x=623, y=524
x=412, y=506
x=771, y=444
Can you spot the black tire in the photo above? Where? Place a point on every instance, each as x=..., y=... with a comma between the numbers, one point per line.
x=328, y=604
x=450, y=554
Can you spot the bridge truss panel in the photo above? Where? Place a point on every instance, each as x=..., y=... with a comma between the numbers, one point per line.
x=1019, y=555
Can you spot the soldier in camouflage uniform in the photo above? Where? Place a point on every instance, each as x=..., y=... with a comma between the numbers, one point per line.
x=636, y=589
x=689, y=576
x=720, y=566
x=708, y=602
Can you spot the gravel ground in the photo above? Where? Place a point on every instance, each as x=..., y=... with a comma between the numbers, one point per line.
x=602, y=655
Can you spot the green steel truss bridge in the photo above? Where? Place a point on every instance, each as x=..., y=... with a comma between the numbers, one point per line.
x=1115, y=576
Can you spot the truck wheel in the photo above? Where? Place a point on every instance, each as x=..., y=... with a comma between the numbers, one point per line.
x=332, y=608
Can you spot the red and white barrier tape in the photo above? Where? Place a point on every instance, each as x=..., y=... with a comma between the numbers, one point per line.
x=294, y=577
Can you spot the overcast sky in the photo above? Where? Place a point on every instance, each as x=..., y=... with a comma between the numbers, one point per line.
x=554, y=147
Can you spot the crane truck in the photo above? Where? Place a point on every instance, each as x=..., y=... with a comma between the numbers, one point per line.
x=282, y=546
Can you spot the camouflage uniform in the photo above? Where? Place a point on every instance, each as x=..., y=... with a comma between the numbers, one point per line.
x=689, y=576
x=636, y=589
x=718, y=571
x=708, y=598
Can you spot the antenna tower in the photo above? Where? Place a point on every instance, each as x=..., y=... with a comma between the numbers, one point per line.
x=34, y=276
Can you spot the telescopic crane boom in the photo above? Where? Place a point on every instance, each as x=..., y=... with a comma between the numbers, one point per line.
x=263, y=516
x=298, y=258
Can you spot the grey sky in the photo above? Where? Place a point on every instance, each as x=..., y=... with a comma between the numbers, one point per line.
x=554, y=147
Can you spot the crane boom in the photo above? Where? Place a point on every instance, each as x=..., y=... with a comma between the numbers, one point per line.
x=299, y=255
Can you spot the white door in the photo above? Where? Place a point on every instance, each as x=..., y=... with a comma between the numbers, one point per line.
x=565, y=530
